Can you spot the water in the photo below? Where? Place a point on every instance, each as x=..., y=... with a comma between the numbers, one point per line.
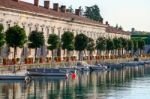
x=129, y=83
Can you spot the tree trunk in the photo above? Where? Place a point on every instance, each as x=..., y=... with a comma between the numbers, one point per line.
x=122, y=51
x=0, y=56
x=140, y=52
x=68, y=56
x=15, y=48
x=35, y=55
x=80, y=55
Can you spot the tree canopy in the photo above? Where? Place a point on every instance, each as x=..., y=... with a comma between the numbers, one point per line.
x=1, y=28
x=117, y=43
x=130, y=45
x=141, y=44
x=135, y=44
x=81, y=42
x=2, y=37
x=93, y=13
x=90, y=45
x=101, y=44
x=16, y=36
x=67, y=40
x=36, y=39
x=110, y=44
x=53, y=41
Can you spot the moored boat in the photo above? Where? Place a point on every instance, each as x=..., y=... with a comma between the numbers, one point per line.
x=97, y=67
x=13, y=76
x=82, y=66
x=47, y=72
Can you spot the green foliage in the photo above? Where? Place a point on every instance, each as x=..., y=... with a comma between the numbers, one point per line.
x=53, y=41
x=141, y=44
x=117, y=43
x=101, y=43
x=16, y=36
x=93, y=13
x=2, y=36
x=71, y=9
x=1, y=28
x=135, y=43
x=130, y=45
x=67, y=40
x=124, y=42
x=81, y=42
x=145, y=37
x=110, y=44
x=90, y=45
x=36, y=39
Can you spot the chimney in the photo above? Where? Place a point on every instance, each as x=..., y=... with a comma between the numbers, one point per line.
x=106, y=23
x=101, y=20
x=36, y=2
x=56, y=7
x=47, y=4
x=77, y=12
x=16, y=0
x=63, y=8
x=67, y=10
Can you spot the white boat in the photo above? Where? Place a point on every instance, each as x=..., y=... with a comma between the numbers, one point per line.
x=13, y=76
x=97, y=67
x=47, y=72
x=82, y=66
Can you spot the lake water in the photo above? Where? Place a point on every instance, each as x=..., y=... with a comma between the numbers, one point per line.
x=128, y=83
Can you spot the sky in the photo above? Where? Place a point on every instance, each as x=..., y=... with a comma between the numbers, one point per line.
x=126, y=13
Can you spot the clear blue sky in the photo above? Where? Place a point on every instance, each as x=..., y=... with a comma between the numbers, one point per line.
x=127, y=13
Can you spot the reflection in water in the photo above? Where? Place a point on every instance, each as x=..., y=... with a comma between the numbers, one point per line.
x=96, y=85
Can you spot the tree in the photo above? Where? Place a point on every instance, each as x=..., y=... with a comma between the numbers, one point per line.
x=135, y=43
x=93, y=13
x=16, y=37
x=67, y=40
x=101, y=44
x=90, y=45
x=2, y=37
x=36, y=40
x=117, y=44
x=110, y=45
x=54, y=43
x=1, y=27
x=130, y=45
x=124, y=43
x=70, y=9
x=81, y=42
x=141, y=44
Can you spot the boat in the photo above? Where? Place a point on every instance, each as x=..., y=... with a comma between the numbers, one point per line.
x=82, y=66
x=98, y=67
x=47, y=72
x=13, y=76
x=115, y=66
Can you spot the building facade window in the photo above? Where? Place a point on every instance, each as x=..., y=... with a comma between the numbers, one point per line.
x=47, y=32
x=30, y=29
x=53, y=30
x=36, y=28
x=8, y=25
x=42, y=29
x=24, y=27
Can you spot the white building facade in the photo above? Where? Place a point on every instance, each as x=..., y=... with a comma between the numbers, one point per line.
x=57, y=20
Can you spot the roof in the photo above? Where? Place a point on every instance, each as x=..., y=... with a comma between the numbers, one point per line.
x=110, y=29
x=24, y=6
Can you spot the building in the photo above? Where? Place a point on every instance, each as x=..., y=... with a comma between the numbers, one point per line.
x=48, y=20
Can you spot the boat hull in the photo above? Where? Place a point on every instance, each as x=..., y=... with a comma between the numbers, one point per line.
x=46, y=72
x=9, y=77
